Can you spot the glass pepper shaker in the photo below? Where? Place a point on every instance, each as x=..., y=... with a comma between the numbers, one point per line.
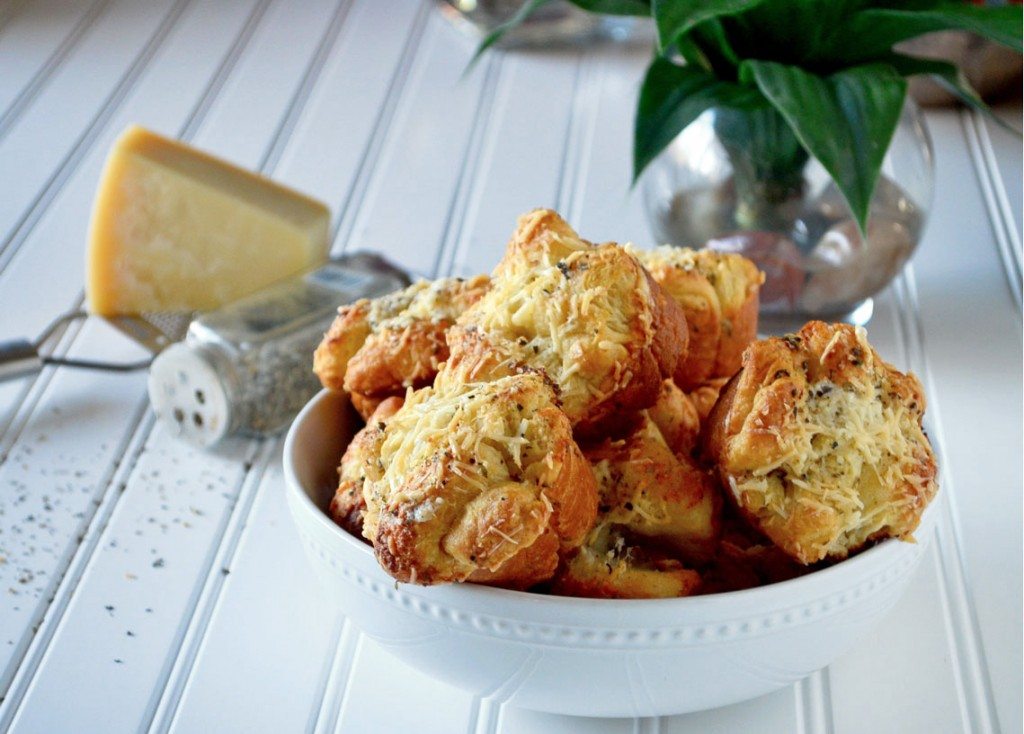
x=246, y=368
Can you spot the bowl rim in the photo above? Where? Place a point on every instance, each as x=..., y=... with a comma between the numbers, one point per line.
x=788, y=591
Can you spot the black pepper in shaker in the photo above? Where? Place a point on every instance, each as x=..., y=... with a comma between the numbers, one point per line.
x=245, y=369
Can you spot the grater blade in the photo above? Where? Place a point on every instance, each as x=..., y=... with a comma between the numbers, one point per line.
x=153, y=331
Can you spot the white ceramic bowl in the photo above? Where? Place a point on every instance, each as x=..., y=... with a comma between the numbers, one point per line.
x=585, y=656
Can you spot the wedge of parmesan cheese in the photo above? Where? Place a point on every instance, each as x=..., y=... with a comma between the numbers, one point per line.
x=174, y=229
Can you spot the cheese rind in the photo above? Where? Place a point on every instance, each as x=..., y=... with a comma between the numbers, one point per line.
x=175, y=229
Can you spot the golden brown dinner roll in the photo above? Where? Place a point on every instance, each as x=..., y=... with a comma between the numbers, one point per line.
x=647, y=490
x=470, y=476
x=591, y=318
x=745, y=559
x=704, y=396
x=609, y=566
x=718, y=292
x=347, y=506
x=377, y=348
x=676, y=416
x=542, y=238
x=819, y=442
x=349, y=330
x=656, y=515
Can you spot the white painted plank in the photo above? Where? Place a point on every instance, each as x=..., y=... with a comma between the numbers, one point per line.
x=1007, y=149
x=48, y=130
x=775, y=712
x=264, y=82
x=901, y=677
x=523, y=154
x=113, y=399
x=972, y=336
x=415, y=183
x=330, y=145
x=132, y=603
x=32, y=44
x=513, y=720
x=384, y=694
x=602, y=204
x=272, y=615
x=52, y=481
x=996, y=157
x=135, y=703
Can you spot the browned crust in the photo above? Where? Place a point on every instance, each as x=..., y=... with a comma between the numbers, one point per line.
x=704, y=319
x=378, y=349
x=348, y=504
x=533, y=565
x=573, y=500
x=704, y=396
x=720, y=423
x=341, y=342
x=754, y=414
x=392, y=360
x=540, y=234
x=500, y=534
x=676, y=417
x=406, y=549
x=574, y=496
x=658, y=495
x=347, y=507
x=474, y=357
x=745, y=566
x=650, y=366
x=618, y=409
x=671, y=333
x=652, y=355
x=647, y=575
x=366, y=405
x=739, y=331
x=719, y=295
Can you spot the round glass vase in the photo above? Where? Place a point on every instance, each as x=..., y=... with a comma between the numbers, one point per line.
x=738, y=181
x=555, y=23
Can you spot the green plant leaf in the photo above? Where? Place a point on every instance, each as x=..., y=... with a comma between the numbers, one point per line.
x=873, y=31
x=672, y=97
x=707, y=46
x=615, y=7
x=950, y=77
x=792, y=31
x=674, y=18
x=494, y=36
x=845, y=120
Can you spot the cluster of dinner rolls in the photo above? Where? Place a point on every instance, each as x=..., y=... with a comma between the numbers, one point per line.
x=597, y=420
x=378, y=348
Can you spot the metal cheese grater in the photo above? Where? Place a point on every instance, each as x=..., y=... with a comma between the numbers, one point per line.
x=245, y=368
x=153, y=332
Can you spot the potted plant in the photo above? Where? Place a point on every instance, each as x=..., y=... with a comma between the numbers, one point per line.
x=782, y=129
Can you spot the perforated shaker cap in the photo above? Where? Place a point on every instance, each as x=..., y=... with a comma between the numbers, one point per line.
x=189, y=396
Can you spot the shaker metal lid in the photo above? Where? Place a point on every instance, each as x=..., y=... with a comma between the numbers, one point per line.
x=188, y=395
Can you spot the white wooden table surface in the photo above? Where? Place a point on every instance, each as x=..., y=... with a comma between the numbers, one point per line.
x=147, y=586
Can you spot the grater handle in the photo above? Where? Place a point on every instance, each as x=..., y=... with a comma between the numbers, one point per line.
x=19, y=358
